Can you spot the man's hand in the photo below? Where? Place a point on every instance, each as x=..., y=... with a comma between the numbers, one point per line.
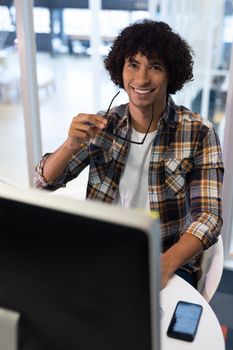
x=84, y=127
x=175, y=257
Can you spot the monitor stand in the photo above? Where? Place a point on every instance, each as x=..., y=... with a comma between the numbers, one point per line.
x=8, y=329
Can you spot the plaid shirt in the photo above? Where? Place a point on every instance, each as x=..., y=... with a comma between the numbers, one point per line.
x=185, y=172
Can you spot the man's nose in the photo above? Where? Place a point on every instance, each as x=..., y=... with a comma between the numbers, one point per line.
x=143, y=76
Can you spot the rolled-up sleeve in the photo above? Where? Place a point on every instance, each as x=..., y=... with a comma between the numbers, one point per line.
x=73, y=168
x=206, y=181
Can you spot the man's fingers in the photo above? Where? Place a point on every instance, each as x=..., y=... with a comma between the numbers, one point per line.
x=92, y=120
x=85, y=126
x=90, y=130
x=82, y=130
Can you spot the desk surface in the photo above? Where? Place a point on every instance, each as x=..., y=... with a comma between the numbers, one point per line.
x=209, y=334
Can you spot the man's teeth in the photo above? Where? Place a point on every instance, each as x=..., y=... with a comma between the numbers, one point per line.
x=139, y=91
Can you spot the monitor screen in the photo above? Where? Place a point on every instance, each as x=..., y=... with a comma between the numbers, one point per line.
x=82, y=275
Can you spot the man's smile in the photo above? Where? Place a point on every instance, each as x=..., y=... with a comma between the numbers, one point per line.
x=142, y=91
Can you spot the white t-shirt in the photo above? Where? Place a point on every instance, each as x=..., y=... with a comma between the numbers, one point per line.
x=133, y=188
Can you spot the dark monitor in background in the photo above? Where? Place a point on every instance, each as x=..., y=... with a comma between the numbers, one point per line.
x=82, y=275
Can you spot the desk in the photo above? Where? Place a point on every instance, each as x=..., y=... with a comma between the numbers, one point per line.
x=209, y=334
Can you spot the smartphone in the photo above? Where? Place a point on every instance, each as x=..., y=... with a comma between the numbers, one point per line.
x=185, y=320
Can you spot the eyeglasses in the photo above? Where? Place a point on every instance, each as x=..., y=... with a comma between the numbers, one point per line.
x=125, y=138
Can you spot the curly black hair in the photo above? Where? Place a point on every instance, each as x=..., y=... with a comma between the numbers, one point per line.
x=151, y=39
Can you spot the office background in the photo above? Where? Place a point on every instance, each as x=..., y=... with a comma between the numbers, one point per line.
x=71, y=40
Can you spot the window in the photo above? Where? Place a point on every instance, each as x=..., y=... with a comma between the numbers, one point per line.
x=6, y=19
x=41, y=18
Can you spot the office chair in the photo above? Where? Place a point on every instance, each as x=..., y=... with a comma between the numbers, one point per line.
x=212, y=269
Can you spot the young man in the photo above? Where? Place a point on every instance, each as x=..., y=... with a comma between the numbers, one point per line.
x=149, y=153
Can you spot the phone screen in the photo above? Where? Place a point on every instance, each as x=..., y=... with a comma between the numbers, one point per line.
x=185, y=321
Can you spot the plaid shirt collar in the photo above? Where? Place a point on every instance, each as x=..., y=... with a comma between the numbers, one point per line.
x=170, y=116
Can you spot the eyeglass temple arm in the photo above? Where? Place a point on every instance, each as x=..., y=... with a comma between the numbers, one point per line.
x=106, y=114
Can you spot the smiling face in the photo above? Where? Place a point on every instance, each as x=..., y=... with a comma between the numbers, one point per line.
x=145, y=81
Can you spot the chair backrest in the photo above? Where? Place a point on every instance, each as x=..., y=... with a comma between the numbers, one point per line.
x=212, y=268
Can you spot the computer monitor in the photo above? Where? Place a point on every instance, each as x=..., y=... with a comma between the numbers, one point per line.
x=83, y=275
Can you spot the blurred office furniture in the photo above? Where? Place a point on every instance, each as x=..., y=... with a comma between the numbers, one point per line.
x=45, y=80
x=212, y=269
x=9, y=86
x=9, y=76
x=217, y=100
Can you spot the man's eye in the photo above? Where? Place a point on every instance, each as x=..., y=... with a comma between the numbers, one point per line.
x=156, y=67
x=132, y=65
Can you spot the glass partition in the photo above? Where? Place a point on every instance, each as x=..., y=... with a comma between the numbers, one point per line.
x=13, y=159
